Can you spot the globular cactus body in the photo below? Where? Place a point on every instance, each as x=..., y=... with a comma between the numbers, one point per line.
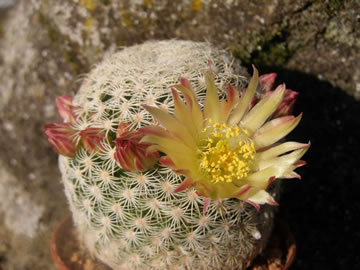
x=134, y=220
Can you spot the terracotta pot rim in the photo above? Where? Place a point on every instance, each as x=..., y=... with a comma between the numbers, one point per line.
x=53, y=247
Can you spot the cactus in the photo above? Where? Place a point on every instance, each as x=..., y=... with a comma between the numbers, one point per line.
x=122, y=199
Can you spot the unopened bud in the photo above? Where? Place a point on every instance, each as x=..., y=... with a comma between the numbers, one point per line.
x=130, y=153
x=91, y=139
x=267, y=81
x=65, y=108
x=287, y=105
x=60, y=136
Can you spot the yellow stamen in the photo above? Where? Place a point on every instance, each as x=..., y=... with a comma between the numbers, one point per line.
x=228, y=153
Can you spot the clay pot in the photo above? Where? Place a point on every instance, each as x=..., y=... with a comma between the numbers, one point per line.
x=68, y=253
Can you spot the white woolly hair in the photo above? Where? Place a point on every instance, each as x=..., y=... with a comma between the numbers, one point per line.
x=133, y=220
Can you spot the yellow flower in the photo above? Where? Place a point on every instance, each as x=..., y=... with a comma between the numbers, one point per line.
x=228, y=149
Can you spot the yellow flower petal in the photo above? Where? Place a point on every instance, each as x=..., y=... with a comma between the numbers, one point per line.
x=185, y=116
x=280, y=149
x=284, y=161
x=227, y=105
x=266, y=136
x=260, y=179
x=218, y=190
x=171, y=146
x=211, y=105
x=192, y=104
x=172, y=124
x=263, y=109
x=260, y=197
x=245, y=100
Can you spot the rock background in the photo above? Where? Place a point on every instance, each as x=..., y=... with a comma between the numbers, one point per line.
x=46, y=46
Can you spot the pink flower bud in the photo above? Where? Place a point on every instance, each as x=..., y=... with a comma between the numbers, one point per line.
x=130, y=153
x=60, y=136
x=65, y=108
x=287, y=105
x=91, y=139
x=267, y=81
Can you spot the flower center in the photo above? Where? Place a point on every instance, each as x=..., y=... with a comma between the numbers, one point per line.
x=228, y=153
